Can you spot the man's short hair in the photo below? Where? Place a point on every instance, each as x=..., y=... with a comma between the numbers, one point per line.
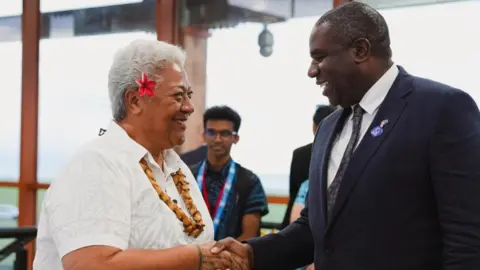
x=322, y=112
x=355, y=20
x=222, y=113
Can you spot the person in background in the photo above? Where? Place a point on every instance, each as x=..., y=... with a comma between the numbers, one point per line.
x=300, y=201
x=234, y=194
x=301, y=161
x=298, y=205
x=195, y=156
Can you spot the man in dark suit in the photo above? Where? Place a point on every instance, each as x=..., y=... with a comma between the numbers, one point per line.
x=396, y=185
x=301, y=161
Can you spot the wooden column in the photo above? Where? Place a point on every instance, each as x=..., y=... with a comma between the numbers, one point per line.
x=167, y=21
x=195, y=44
x=167, y=24
x=337, y=3
x=29, y=117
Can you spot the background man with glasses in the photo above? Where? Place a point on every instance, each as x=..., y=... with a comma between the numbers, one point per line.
x=233, y=194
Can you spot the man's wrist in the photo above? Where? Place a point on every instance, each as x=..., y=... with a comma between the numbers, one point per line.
x=250, y=254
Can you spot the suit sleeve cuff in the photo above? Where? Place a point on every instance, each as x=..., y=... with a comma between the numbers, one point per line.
x=255, y=249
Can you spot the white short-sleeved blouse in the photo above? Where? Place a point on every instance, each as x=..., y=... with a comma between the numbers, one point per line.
x=103, y=197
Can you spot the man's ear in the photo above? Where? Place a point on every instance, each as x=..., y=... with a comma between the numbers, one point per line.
x=314, y=128
x=236, y=139
x=361, y=50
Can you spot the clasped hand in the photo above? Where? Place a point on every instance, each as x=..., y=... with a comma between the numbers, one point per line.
x=226, y=254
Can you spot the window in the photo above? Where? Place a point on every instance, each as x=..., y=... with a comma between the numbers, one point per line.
x=8, y=218
x=11, y=76
x=8, y=207
x=274, y=95
x=40, y=196
x=74, y=64
x=276, y=99
x=55, y=5
x=438, y=42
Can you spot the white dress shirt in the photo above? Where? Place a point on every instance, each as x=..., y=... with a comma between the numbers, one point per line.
x=103, y=197
x=370, y=103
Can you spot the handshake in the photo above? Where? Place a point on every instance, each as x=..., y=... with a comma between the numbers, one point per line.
x=226, y=254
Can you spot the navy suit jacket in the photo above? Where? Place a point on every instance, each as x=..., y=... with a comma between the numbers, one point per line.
x=410, y=198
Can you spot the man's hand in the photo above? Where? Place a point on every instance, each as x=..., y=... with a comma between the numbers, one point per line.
x=219, y=261
x=242, y=253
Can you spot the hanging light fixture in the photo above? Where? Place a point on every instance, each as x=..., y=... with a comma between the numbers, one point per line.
x=265, y=41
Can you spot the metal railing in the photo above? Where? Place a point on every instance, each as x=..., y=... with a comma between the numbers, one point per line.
x=272, y=227
x=22, y=236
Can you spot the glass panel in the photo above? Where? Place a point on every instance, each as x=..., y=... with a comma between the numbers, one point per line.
x=268, y=85
x=10, y=8
x=74, y=101
x=276, y=214
x=419, y=53
x=55, y=5
x=8, y=218
x=277, y=211
x=40, y=195
x=276, y=99
x=11, y=76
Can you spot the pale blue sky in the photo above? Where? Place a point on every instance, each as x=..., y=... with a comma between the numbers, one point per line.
x=274, y=96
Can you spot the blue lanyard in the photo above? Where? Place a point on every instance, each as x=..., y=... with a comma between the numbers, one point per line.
x=225, y=192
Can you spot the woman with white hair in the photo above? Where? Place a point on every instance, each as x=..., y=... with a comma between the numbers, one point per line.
x=126, y=200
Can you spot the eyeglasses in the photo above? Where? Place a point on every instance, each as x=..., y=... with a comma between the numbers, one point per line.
x=224, y=134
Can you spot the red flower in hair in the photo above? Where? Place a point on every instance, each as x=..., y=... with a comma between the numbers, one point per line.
x=145, y=87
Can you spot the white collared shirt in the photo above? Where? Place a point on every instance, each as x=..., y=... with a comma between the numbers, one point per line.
x=103, y=197
x=370, y=102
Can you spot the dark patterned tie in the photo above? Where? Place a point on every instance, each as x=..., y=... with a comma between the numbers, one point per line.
x=335, y=185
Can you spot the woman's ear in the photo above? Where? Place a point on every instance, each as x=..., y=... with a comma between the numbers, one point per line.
x=132, y=102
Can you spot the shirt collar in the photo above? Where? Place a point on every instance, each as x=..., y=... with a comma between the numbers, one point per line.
x=377, y=93
x=223, y=170
x=133, y=149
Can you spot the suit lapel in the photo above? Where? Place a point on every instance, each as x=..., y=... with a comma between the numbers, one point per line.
x=390, y=109
x=326, y=143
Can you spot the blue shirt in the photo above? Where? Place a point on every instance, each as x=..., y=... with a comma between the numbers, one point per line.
x=302, y=193
x=230, y=222
x=302, y=199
